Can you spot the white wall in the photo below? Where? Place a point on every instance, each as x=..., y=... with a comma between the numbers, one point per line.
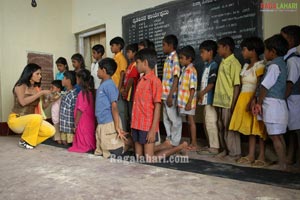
x=92, y=13
x=46, y=28
x=274, y=21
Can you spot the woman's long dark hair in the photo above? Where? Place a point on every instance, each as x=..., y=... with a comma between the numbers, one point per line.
x=27, y=74
x=87, y=83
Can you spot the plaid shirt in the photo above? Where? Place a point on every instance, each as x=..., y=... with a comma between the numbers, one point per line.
x=187, y=81
x=66, y=112
x=148, y=92
x=171, y=69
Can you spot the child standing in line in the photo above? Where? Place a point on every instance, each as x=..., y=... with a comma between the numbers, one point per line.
x=171, y=73
x=292, y=34
x=78, y=64
x=98, y=52
x=130, y=80
x=208, y=50
x=84, y=113
x=56, y=88
x=226, y=94
x=271, y=102
x=146, y=111
x=109, y=133
x=62, y=66
x=242, y=119
x=66, y=111
x=186, y=98
x=146, y=43
x=116, y=46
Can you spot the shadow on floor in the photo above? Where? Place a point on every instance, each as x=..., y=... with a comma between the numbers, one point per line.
x=249, y=174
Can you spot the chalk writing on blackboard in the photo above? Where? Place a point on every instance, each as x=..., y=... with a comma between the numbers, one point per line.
x=193, y=22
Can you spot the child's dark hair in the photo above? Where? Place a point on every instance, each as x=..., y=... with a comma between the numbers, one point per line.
x=63, y=61
x=87, y=82
x=57, y=83
x=99, y=48
x=209, y=45
x=278, y=43
x=292, y=31
x=149, y=55
x=171, y=40
x=188, y=52
x=71, y=75
x=117, y=40
x=147, y=44
x=109, y=65
x=254, y=43
x=78, y=57
x=227, y=41
x=132, y=47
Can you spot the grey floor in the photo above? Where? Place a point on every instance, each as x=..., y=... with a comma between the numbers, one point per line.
x=52, y=173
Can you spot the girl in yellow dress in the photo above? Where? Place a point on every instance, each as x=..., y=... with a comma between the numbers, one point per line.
x=242, y=119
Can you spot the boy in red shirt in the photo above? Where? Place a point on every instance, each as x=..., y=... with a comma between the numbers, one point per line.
x=146, y=110
x=146, y=105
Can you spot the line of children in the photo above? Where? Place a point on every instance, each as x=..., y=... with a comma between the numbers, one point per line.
x=242, y=119
x=56, y=87
x=97, y=53
x=62, y=66
x=84, y=114
x=225, y=97
x=171, y=74
x=66, y=112
x=146, y=111
x=226, y=112
x=130, y=81
x=208, y=51
x=271, y=99
x=78, y=64
x=109, y=134
x=187, y=87
x=116, y=46
x=291, y=34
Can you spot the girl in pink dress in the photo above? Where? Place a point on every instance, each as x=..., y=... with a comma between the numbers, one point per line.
x=84, y=113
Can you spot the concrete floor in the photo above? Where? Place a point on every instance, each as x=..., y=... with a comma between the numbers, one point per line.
x=49, y=172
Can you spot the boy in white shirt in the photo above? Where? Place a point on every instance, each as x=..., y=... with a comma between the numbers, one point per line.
x=98, y=52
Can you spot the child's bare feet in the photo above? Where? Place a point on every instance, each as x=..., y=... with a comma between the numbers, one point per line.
x=192, y=147
x=167, y=143
x=64, y=142
x=59, y=142
x=184, y=145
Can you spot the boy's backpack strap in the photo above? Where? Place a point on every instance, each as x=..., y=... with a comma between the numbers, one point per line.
x=292, y=55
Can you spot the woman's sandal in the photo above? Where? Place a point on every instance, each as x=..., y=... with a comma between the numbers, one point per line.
x=245, y=161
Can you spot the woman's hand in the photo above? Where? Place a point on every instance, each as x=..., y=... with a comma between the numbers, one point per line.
x=45, y=92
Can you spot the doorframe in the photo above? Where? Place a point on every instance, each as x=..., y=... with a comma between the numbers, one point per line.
x=87, y=34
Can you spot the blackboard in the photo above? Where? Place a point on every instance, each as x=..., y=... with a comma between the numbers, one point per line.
x=194, y=21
